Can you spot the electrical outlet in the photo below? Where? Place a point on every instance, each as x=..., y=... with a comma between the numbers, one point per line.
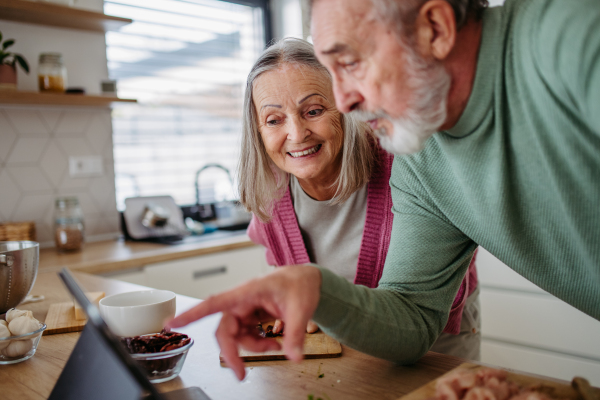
x=84, y=166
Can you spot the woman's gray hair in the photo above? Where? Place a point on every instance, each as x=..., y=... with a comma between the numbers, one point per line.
x=261, y=182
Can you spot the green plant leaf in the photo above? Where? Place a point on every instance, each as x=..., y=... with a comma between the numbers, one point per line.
x=8, y=43
x=22, y=62
x=3, y=56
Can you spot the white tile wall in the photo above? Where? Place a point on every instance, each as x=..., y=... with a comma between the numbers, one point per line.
x=35, y=144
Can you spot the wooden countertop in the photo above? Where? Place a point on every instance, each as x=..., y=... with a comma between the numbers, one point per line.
x=352, y=376
x=116, y=255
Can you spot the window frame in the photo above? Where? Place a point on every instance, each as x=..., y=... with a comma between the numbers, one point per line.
x=265, y=5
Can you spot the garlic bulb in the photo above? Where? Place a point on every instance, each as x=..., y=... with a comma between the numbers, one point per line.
x=23, y=325
x=14, y=313
x=17, y=348
x=4, y=332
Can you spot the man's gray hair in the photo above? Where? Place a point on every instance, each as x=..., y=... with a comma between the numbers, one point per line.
x=402, y=13
x=261, y=182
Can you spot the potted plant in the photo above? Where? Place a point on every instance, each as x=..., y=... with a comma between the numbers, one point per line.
x=8, y=65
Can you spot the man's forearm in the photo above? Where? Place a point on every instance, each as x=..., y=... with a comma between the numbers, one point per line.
x=379, y=322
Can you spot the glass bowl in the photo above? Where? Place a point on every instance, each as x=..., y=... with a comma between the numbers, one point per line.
x=163, y=366
x=14, y=349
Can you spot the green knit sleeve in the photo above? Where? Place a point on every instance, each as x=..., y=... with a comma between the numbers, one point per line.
x=426, y=262
x=566, y=37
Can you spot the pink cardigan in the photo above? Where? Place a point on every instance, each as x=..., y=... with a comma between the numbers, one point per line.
x=284, y=245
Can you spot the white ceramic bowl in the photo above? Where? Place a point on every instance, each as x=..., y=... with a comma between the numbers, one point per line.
x=138, y=313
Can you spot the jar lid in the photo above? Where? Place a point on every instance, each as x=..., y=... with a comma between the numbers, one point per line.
x=64, y=202
x=55, y=58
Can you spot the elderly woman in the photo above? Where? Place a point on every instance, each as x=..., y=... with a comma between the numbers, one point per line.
x=317, y=184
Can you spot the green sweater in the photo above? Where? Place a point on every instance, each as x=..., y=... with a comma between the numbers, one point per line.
x=519, y=175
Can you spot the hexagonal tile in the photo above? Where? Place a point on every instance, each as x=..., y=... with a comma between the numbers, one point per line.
x=99, y=132
x=54, y=164
x=27, y=150
x=73, y=123
x=49, y=215
x=7, y=136
x=11, y=193
x=27, y=123
x=74, y=183
x=51, y=118
x=112, y=221
x=44, y=233
x=75, y=146
x=95, y=225
x=87, y=204
x=33, y=207
x=101, y=189
x=111, y=203
x=108, y=151
x=29, y=178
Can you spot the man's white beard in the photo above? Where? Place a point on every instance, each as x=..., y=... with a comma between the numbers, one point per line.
x=429, y=84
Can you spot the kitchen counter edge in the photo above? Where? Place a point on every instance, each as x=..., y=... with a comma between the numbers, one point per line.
x=112, y=256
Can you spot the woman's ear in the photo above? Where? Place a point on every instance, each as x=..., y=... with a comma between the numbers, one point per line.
x=435, y=29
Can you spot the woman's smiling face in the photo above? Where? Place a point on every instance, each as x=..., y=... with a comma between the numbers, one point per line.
x=299, y=124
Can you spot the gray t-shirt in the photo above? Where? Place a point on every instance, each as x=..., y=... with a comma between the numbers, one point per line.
x=332, y=233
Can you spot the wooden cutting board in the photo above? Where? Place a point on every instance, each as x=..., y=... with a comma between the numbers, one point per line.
x=316, y=345
x=61, y=319
x=554, y=389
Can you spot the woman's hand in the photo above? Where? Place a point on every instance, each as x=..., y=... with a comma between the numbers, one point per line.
x=311, y=327
x=290, y=294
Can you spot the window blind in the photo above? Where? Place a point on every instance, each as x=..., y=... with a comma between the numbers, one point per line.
x=186, y=63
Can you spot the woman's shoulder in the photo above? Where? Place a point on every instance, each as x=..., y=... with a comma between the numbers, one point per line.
x=384, y=159
x=281, y=209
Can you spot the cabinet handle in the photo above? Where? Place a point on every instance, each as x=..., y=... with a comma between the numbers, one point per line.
x=208, y=272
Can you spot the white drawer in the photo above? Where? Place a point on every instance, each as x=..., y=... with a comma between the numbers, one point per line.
x=205, y=275
x=539, y=321
x=134, y=275
x=535, y=361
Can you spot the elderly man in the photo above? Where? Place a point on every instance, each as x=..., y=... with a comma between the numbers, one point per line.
x=501, y=109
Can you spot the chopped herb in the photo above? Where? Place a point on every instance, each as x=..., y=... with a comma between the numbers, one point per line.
x=311, y=397
x=322, y=375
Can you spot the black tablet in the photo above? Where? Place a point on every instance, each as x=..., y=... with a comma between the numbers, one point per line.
x=100, y=367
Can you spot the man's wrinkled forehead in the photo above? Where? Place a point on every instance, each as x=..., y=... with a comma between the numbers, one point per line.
x=339, y=25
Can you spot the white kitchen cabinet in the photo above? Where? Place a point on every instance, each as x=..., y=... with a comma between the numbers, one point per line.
x=136, y=276
x=203, y=275
x=528, y=329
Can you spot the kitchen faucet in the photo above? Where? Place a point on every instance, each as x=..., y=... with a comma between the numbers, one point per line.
x=197, y=179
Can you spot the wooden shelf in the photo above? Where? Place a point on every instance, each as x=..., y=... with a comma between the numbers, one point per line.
x=43, y=13
x=58, y=99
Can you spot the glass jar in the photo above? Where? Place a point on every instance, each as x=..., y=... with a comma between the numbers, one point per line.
x=52, y=74
x=68, y=224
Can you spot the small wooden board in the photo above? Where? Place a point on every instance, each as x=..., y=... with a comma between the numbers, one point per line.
x=316, y=345
x=554, y=389
x=61, y=319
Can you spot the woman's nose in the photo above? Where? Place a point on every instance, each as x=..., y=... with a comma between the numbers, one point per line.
x=298, y=130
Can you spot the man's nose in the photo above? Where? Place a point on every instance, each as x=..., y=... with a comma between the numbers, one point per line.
x=347, y=98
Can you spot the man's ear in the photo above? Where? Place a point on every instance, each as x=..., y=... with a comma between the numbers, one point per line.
x=435, y=29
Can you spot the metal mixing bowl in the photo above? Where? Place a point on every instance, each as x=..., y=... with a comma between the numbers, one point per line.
x=18, y=269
